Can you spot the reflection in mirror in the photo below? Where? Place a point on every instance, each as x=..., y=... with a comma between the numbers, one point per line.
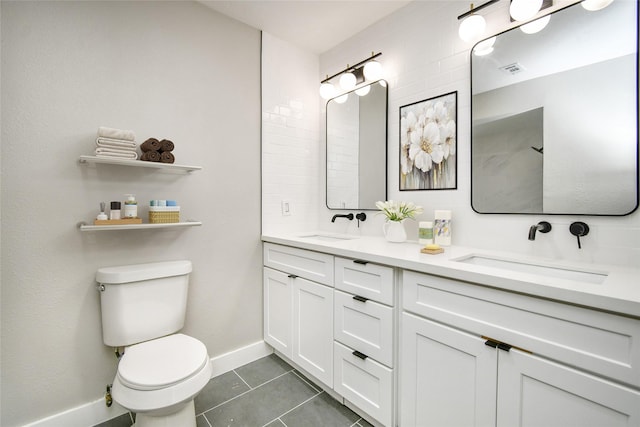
x=554, y=116
x=357, y=148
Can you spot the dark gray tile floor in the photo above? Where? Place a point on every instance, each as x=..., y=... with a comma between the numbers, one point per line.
x=265, y=393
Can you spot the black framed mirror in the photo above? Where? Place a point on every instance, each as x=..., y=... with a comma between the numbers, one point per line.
x=555, y=116
x=356, y=148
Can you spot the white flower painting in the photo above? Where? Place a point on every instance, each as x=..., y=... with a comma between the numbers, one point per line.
x=428, y=131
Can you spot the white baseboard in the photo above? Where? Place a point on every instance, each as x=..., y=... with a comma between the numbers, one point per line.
x=96, y=412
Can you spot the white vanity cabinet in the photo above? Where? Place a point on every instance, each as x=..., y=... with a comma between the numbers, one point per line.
x=474, y=355
x=364, y=336
x=298, y=307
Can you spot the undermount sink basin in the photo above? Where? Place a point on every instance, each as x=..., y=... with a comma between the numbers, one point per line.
x=328, y=237
x=531, y=268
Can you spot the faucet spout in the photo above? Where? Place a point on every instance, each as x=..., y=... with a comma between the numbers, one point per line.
x=542, y=226
x=348, y=216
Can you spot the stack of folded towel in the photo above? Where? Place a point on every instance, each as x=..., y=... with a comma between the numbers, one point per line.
x=116, y=143
x=157, y=151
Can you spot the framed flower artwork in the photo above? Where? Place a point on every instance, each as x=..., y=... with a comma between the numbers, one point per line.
x=428, y=140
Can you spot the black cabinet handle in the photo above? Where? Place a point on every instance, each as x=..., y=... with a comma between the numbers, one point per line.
x=361, y=261
x=359, y=298
x=362, y=356
x=292, y=276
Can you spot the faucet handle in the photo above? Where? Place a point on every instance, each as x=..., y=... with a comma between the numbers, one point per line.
x=579, y=229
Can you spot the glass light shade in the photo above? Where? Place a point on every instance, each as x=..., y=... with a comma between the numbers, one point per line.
x=484, y=47
x=348, y=81
x=535, y=26
x=521, y=10
x=327, y=90
x=373, y=70
x=593, y=5
x=472, y=27
x=363, y=90
x=342, y=99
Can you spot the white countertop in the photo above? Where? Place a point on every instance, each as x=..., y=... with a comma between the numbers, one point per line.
x=619, y=292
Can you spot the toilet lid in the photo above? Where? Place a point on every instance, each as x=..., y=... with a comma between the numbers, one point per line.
x=162, y=362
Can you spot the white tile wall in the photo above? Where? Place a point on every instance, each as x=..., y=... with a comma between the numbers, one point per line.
x=290, y=136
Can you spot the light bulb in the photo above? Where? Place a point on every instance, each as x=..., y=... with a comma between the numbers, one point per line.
x=373, y=70
x=535, y=26
x=522, y=10
x=348, y=81
x=342, y=99
x=485, y=47
x=363, y=90
x=593, y=5
x=327, y=90
x=472, y=27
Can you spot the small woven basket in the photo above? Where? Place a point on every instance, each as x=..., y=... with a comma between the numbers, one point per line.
x=164, y=215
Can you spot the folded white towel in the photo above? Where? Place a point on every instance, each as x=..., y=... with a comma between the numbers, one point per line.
x=114, y=152
x=106, y=132
x=115, y=143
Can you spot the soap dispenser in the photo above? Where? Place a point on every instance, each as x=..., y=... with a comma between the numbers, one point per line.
x=102, y=215
x=130, y=206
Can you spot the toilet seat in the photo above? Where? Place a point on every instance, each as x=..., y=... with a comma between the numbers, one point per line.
x=141, y=396
x=162, y=362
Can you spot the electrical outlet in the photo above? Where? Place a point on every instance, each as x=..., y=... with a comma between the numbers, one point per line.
x=286, y=208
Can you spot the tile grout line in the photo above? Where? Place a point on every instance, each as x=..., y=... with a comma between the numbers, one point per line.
x=242, y=379
x=356, y=423
x=295, y=407
x=243, y=393
x=310, y=384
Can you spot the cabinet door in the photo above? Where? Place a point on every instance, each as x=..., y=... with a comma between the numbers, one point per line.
x=537, y=392
x=447, y=377
x=278, y=311
x=313, y=326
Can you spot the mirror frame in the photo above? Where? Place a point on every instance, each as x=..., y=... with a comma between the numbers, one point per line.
x=386, y=148
x=637, y=124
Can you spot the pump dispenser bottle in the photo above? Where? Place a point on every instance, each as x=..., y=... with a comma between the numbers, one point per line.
x=130, y=206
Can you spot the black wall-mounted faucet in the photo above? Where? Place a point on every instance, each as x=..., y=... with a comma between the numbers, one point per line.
x=348, y=216
x=361, y=217
x=579, y=229
x=542, y=226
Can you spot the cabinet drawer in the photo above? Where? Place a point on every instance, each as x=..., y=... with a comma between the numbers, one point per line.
x=364, y=326
x=372, y=281
x=365, y=383
x=311, y=265
x=596, y=341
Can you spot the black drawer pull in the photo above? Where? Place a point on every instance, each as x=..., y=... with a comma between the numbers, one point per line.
x=359, y=298
x=292, y=276
x=361, y=261
x=362, y=356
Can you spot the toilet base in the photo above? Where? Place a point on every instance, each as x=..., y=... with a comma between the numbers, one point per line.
x=184, y=417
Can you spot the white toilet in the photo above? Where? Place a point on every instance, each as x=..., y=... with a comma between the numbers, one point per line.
x=161, y=371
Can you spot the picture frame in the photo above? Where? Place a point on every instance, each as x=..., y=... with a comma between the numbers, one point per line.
x=428, y=144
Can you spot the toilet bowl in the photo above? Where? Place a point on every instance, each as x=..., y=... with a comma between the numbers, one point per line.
x=160, y=378
x=161, y=371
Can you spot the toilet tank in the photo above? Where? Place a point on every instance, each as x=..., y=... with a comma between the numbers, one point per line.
x=143, y=301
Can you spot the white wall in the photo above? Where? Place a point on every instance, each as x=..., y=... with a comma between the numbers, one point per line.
x=290, y=137
x=172, y=70
x=423, y=57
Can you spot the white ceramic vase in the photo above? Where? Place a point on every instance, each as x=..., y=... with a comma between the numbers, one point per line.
x=394, y=231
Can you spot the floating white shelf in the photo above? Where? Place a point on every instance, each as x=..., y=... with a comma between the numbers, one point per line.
x=87, y=227
x=137, y=163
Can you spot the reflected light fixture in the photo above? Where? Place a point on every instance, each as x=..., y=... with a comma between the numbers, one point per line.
x=365, y=70
x=472, y=26
x=522, y=10
x=363, y=90
x=485, y=47
x=342, y=99
x=593, y=5
x=535, y=26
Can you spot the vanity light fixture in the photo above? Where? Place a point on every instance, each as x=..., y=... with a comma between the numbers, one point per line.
x=485, y=47
x=593, y=5
x=535, y=26
x=365, y=70
x=472, y=25
x=523, y=10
